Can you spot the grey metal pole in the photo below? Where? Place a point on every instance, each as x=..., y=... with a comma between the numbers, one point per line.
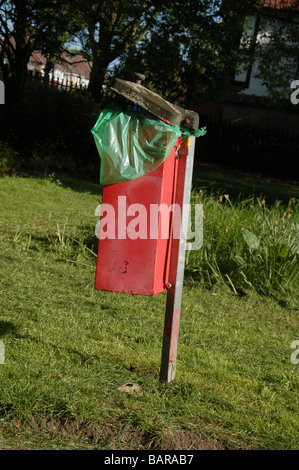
x=177, y=265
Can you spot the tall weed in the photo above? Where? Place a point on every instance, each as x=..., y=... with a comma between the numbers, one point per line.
x=247, y=245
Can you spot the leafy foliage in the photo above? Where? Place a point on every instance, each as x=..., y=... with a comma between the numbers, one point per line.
x=277, y=54
x=192, y=51
x=28, y=25
x=112, y=27
x=189, y=51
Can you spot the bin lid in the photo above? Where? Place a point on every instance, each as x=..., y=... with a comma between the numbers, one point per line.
x=154, y=103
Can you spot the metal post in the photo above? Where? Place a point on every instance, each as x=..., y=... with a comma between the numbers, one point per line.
x=177, y=265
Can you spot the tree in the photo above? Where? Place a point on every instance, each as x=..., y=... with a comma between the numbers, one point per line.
x=193, y=49
x=15, y=42
x=54, y=24
x=111, y=28
x=28, y=25
x=159, y=58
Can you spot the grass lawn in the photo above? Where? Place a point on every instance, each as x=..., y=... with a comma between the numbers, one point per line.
x=69, y=349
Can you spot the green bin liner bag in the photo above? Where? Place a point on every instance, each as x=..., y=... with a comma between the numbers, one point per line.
x=131, y=144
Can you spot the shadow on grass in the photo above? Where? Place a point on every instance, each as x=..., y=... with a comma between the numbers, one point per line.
x=69, y=181
x=6, y=327
x=243, y=185
x=79, y=185
x=239, y=185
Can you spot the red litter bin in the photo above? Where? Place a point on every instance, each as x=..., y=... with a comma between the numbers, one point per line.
x=146, y=173
x=136, y=261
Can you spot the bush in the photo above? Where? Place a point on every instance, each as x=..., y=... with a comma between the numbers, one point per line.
x=7, y=158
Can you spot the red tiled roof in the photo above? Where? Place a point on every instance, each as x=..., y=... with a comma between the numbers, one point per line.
x=280, y=4
x=38, y=58
x=77, y=65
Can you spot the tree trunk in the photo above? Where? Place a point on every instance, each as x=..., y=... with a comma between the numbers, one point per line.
x=49, y=67
x=19, y=57
x=97, y=76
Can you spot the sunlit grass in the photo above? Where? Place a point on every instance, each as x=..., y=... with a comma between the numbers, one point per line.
x=68, y=348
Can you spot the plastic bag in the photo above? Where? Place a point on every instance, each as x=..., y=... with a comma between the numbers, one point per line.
x=131, y=144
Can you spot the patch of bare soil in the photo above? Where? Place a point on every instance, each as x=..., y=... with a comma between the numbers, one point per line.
x=188, y=440
x=129, y=437
x=116, y=436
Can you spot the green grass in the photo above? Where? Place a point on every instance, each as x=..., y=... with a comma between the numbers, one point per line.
x=68, y=348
